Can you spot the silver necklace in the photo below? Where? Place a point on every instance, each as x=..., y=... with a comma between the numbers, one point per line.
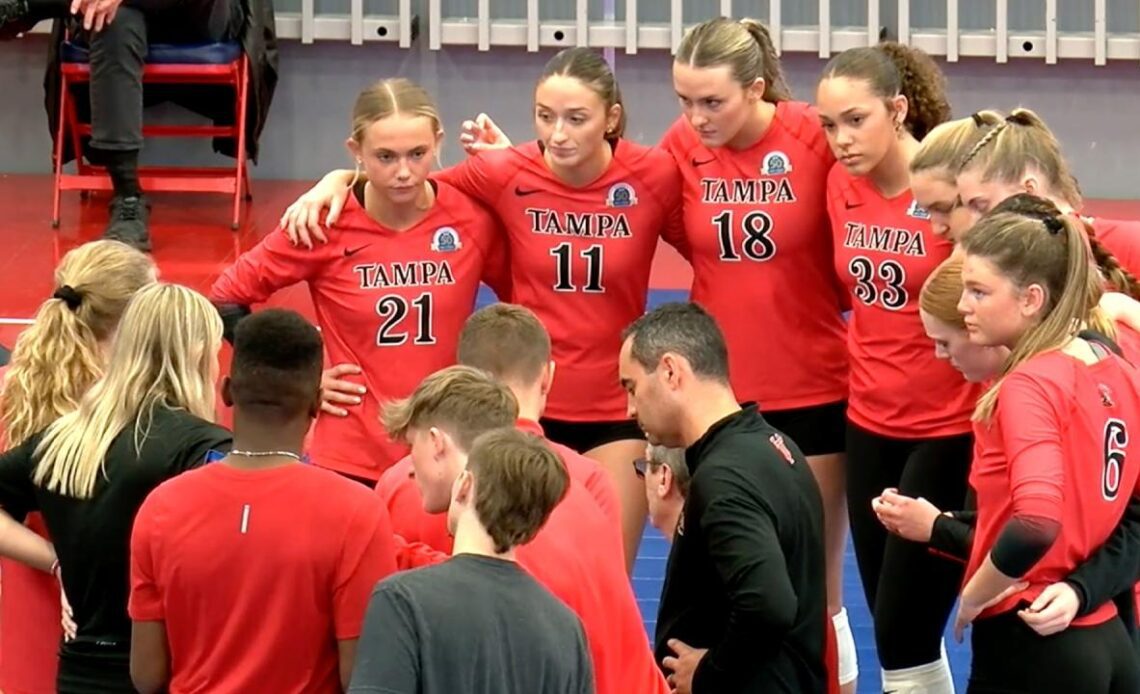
x=265, y=454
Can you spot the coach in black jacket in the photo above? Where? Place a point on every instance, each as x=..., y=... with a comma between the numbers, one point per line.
x=744, y=604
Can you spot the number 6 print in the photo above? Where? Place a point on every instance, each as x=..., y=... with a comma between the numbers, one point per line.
x=1115, y=442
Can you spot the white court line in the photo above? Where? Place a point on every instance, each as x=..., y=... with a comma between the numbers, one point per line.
x=16, y=321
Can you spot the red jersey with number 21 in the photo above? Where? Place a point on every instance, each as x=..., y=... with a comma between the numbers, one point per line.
x=884, y=251
x=392, y=302
x=580, y=257
x=756, y=224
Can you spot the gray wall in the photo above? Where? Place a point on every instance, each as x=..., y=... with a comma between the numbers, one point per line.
x=1094, y=110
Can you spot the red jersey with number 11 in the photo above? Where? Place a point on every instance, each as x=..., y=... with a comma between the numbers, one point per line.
x=580, y=257
x=884, y=251
x=756, y=223
x=392, y=302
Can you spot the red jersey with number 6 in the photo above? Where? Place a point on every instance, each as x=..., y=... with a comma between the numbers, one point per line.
x=392, y=302
x=1057, y=448
x=884, y=251
x=756, y=224
x=580, y=257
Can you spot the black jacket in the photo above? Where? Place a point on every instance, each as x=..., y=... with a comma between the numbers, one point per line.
x=259, y=40
x=746, y=577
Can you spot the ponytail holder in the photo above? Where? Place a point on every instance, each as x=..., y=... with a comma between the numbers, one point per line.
x=69, y=296
x=1053, y=225
x=977, y=119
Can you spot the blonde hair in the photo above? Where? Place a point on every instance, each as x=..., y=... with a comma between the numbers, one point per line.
x=745, y=46
x=165, y=355
x=462, y=400
x=391, y=96
x=942, y=291
x=1020, y=142
x=1051, y=253
x=57, y=358
x=945, y=147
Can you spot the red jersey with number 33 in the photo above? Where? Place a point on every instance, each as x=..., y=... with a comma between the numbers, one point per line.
x=580, y=257
x=1058, y=448
x=392, y=302
x=884, y=251
x=757, y=229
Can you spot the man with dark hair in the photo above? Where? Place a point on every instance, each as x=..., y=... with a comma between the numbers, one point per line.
x=253, y=573
x=478, y=623
x=744, y=604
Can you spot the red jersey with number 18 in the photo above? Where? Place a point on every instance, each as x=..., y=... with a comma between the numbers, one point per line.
x=580, y=257
x=884, y=251
x=756, y=223
x=1056, y=449
x=390, y=301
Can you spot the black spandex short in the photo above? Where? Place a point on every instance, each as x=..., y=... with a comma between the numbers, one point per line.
x=1010, y=658
x=585, y=436
x=817, y=430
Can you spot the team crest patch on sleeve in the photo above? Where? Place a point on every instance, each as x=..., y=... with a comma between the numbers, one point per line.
x=621, y=195
x=445, y=240
x=916, y=211
x=777, y=442
x=776, y=164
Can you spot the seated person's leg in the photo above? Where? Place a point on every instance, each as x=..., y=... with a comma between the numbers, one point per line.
x=118, y=54
x=19, y=16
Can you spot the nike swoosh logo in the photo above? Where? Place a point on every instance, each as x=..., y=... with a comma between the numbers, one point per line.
x=702, y=163
x=851, y=206
x=349, y=252
x=521, y=193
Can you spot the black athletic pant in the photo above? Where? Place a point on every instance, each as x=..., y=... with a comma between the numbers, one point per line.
x=119, y=50
x=909, y=590
x=1010, y=658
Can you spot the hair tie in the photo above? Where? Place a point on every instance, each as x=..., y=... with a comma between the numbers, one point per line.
x=69, y=296
x=1053, y=225
x=977, y=119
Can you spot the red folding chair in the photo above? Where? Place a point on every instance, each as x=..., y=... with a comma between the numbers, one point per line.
x=212, y=63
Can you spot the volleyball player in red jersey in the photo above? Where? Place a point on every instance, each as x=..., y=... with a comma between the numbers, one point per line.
x=583, y=209
x=1050, y=470
x=754, y=165
x=510, y=343
x=966, y=167
x=400, y=280
x=576, y=554
x=908, y=412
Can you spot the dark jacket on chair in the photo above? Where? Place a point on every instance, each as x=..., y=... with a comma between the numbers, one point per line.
x=259, y=41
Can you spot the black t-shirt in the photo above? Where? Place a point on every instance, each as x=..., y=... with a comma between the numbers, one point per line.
x=473, y=624
x=92, y=536
x=745, y=576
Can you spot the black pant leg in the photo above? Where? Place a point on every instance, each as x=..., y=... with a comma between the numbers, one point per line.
x=118, y=54
x=917, y=589
x=873, y=463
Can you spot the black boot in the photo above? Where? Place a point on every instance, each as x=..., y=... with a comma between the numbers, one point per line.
x=15, y=19
x=129, y=222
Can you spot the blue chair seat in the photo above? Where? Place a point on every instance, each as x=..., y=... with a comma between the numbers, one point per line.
x=222, y=53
